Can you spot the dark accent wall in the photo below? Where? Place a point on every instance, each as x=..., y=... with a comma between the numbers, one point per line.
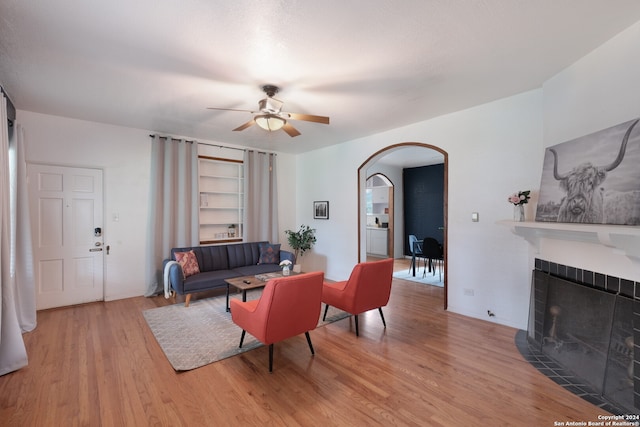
x=423, y=189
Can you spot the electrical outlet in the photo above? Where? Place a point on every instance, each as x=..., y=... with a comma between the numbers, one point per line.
x=468, y=292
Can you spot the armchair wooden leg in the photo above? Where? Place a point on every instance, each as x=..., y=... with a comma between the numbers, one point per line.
x=270, y=357
x=356, y=316
x=242, y=338
x=382, y=316
x=306, y=334
x=326, y=308
x=187, y=300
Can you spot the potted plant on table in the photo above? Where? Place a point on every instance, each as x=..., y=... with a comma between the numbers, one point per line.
x=301, y=241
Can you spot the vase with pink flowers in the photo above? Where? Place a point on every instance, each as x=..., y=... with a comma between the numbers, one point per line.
x=518, y=200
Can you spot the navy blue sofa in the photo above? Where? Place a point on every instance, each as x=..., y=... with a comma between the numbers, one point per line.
x=220, y=262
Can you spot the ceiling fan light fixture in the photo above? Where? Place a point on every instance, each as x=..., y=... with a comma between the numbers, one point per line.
x=270, y=116
x=269, y=122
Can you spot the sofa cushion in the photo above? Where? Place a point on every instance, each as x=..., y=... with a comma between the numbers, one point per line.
x=208, y=280
x=252, y=270
x=213, y=258
x=269, y=254
x=243, y=254
x=188, y=262
x=210, y=258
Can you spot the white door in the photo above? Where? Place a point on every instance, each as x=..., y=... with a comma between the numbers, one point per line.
x=66, y=210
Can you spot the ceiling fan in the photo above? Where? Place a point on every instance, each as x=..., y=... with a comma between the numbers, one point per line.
x=270, y=116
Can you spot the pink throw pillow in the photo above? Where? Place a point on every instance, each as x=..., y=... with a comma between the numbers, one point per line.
x=189, y=263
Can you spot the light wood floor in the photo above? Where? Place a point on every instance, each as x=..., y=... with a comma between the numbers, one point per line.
x=99, y=365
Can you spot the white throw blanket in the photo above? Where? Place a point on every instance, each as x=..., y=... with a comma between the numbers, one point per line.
x=166, y=278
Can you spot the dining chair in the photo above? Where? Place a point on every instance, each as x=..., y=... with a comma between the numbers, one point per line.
x=415, y=246
x=287, y=307
x=432, y=250
x=368, y=287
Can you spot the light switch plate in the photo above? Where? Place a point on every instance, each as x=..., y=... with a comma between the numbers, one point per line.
x=475, y=217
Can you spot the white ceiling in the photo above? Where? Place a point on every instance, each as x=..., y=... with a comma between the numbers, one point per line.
x=369, y=65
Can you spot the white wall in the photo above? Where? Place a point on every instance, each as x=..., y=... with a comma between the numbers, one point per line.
x=600, y=90
x=494, y=150
x=124, y=156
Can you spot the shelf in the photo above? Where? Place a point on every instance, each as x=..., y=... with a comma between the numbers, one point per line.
x=222, y=176
x=234, y=193
x=621, y=238
x=212, y=242
x=221, y=194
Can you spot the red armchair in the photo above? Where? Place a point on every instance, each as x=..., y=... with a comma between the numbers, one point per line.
x=368, y=287
x=288, y=307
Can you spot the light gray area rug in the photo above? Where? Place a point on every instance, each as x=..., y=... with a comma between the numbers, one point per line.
x=428, y=279
x=204, y=333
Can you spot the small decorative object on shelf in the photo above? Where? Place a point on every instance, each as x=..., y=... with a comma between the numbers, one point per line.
x=286, y=267
x=518, y=213
x=518, y=200
x=231, y=232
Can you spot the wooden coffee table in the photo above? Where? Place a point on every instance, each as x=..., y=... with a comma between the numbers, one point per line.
x=245, y=283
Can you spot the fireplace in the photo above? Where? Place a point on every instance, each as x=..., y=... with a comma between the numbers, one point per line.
x=582, y=322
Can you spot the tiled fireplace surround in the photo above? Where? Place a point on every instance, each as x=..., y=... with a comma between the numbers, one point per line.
x=611, y=247
x=538, y=329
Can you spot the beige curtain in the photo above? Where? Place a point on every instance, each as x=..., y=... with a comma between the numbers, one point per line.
x=22, y=248
x=261, y=197
x=173, y=209
x=13, y=354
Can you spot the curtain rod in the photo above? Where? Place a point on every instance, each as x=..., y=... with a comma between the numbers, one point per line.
x=210, y=145
x=196, y=142
x=11, y=109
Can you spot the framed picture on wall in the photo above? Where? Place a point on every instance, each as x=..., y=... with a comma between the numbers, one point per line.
x=593, y=179
x=321, y=210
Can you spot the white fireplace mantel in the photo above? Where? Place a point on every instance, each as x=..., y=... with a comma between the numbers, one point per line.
x=620, y=238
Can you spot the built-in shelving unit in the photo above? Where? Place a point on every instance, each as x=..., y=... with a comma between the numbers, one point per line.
x=625, y=239
x=221, y=190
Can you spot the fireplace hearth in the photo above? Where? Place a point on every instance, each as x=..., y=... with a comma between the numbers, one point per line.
x=582, y=323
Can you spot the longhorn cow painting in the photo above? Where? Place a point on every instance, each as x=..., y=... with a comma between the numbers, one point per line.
x=593, y=179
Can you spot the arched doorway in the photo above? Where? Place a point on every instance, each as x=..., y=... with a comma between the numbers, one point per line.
x=380, y=216
x=364, y=172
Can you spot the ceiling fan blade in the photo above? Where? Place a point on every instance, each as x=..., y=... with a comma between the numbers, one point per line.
x=230, y=109
x=309, y=118
x=246, y=125
x=290, y=130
